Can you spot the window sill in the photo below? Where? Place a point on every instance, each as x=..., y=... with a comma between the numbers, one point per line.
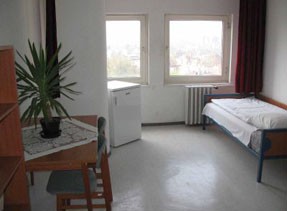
x=191, y=84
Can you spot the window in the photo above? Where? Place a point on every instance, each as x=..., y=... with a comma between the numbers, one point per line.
x=197, y=49
x=127, y=48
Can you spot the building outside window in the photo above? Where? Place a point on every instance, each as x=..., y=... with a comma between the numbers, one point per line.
x=197, y=49
x=127, y=48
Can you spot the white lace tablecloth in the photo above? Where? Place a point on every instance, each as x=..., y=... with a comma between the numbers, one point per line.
x=74, y=133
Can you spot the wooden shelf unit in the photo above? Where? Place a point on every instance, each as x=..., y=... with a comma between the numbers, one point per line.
x=5, y=109
x=8, y=167
x=13, y=181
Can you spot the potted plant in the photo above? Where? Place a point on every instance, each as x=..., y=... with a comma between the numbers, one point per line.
x=38, y=80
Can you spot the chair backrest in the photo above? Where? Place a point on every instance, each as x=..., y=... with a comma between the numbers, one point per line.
x=101, y=125
x=101, y=149
x=85, y=166
x=102, y=141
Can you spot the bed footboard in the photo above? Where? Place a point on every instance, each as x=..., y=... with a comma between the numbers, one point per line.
x=273, y=146
x=278, y=140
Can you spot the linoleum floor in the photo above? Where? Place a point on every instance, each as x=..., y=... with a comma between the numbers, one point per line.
x=183, y=168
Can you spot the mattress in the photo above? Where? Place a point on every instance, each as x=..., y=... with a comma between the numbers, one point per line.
x=247, y=108
x=247, y=134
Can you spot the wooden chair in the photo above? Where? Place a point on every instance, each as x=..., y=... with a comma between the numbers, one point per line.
x=102, y=166
x=101, y=131
x=79, y=184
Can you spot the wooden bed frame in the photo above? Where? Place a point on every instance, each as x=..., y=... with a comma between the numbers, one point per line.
x=273, y=141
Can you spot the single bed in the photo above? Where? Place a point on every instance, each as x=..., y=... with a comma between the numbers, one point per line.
x=259, y=124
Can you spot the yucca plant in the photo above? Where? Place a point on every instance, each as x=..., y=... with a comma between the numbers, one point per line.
x=39, y=80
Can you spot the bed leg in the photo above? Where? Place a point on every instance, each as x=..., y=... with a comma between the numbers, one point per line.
x=263, y=147
x=260, y=159
x=203, y=122
x=260, y=168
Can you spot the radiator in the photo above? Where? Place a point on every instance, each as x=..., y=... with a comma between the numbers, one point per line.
x=194, y=103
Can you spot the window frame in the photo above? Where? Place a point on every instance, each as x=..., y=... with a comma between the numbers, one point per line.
x=143, y=46
x=226, y=60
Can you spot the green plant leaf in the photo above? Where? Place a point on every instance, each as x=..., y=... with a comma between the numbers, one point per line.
x=38, y=81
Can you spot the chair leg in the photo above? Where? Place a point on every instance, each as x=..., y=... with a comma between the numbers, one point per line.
x=61, y=202
x=108, y=203
x=106, y=177
x=32, y=177
x=90, y=207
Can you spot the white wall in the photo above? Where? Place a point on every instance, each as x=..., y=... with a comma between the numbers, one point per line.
x=163, y=103
x=14, y=26
x=81, y=28
x=275, y=61
x=19, y=21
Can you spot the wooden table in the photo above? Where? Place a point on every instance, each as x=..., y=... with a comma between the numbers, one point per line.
x=65, y=159
x=71, y=159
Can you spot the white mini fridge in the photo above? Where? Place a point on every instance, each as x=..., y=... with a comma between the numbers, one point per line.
x=124, y=112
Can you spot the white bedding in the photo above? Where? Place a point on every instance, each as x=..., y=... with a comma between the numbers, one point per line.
x=241, y=117
x=247, y=108
x=239, y=129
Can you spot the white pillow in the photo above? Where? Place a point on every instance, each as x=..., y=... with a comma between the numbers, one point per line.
x=269, y=120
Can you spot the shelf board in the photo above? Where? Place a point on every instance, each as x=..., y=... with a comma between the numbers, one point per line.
x=8, y=167
x=4, y=48
x=5, y=109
